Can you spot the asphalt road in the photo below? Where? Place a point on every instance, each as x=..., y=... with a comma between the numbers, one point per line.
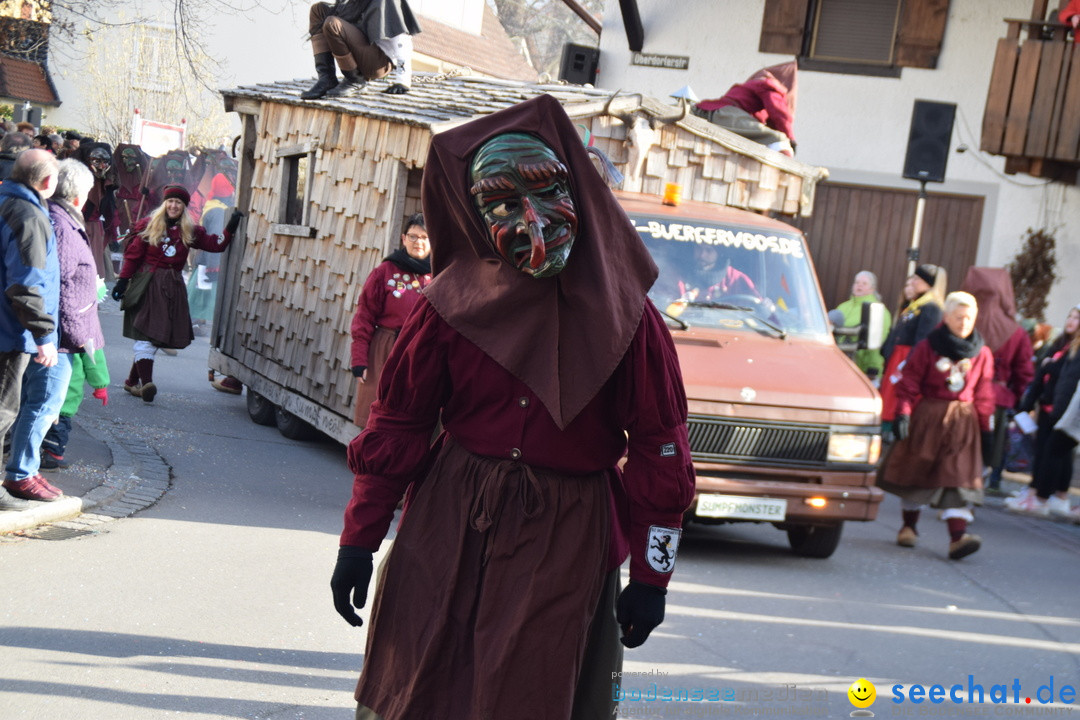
x=214, y=603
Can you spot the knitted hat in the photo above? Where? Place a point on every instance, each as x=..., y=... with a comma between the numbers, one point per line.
x=178, y=192
x=928, y=273
x=220, y=187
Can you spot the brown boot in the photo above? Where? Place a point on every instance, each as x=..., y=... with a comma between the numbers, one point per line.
x=147, y=389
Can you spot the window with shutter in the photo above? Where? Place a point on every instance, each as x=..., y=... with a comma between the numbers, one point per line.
x=866, y=37
x=855, y=31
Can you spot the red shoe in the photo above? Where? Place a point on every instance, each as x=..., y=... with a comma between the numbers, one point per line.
x=229, y=384
x=34, y=487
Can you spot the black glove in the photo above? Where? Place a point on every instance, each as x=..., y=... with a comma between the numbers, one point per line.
x=639, y=610
x=358, y=370
x=351, y=575
x=234, y=222
x=145, y=191
x=119, y=289
x=901, y=426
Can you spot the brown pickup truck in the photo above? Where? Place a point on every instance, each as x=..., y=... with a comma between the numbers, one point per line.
x=784, y=428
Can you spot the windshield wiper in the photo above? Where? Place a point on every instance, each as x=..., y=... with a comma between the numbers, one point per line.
x=741, y=308
x=683, y=325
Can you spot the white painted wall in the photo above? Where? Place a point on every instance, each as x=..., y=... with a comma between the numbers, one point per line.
x=857, y=126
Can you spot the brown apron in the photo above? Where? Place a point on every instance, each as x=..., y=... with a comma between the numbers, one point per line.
x=941, y=453
x=382, y=340
x=485, y=602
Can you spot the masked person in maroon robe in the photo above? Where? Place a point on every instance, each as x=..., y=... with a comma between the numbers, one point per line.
x=99, y=210
x=130, y=165
x=537, y=347
x=172, y=168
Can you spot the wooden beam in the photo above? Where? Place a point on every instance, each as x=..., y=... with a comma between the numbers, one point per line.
x=635, y=33
x=584, y=14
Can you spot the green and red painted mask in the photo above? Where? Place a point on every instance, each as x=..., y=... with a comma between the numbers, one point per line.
x=522, y=191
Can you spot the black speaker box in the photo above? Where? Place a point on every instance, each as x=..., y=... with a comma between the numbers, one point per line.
x=928, y=141
x=579, y=63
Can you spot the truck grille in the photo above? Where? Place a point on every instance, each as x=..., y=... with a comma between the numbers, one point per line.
x=747, y=441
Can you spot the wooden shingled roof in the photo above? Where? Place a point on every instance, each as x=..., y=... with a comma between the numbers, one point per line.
x=438, y=102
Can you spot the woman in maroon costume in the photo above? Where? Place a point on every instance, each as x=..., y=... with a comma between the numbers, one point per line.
x=945, y=400
x=156, y=313
x=390, y=292
x=546, y=367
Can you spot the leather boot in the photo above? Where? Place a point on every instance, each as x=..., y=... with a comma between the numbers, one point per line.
x=327, y=80
x=147, y=390
x=351, y=84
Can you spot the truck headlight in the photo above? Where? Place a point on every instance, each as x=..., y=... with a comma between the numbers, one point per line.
x=853, y=448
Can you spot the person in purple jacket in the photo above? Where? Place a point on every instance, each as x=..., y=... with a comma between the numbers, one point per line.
x=81, y=338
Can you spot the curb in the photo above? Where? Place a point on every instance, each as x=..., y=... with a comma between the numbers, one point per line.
x=137, y=478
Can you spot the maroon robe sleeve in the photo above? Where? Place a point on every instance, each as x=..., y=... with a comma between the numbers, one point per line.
x=985, y=402
x=392, y=450
x=658, y=478
x=368, y=308
x=203, y=240
x=910, y=387
x=135, y=251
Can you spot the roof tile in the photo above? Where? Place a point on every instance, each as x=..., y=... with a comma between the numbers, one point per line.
x=25, y=80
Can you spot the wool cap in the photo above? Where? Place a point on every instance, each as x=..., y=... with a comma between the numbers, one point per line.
x=928, y=273
x=178, y=192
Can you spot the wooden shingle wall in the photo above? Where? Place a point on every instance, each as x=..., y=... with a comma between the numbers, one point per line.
x=706, y=170
x=298, y=294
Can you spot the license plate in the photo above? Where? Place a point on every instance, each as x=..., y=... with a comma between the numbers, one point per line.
x=741, y=508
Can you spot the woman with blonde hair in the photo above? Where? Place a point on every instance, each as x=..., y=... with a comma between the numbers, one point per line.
x=945, y=400
x=150, y=288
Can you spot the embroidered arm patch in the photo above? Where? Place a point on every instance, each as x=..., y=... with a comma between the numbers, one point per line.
x=662, y=546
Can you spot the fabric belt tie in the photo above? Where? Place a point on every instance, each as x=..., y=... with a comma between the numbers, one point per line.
x=482, y=516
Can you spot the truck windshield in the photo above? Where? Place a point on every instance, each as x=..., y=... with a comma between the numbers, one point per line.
x=728, y=277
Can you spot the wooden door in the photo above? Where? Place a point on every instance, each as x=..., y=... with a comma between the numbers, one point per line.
x=858, y=227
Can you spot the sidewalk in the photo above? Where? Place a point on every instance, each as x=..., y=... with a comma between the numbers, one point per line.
x=106, y=479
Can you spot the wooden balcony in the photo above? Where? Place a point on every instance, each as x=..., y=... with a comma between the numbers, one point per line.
x=1032, y=115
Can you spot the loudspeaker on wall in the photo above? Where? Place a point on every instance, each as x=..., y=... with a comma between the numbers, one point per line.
x=928, y=141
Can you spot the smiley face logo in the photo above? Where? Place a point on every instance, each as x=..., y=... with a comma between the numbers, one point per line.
x=862, y=693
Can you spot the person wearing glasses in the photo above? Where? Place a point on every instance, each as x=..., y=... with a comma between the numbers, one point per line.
x=389, y=294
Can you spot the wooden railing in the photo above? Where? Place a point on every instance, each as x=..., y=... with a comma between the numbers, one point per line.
x=1032, y=114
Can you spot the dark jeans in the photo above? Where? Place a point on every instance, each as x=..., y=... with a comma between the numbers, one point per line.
x=12, y=366
x=995, y=454
x=1056, y=465
x=56, y=439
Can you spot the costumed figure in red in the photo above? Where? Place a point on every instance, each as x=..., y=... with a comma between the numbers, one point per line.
x=1070, y=15
x=1011, y=345
x=913, y=323
x=99, y=212
x=389, y=294
x=151, y=289
x=945, y=400
x=131, y=165
x=761, y=109
x=536, y=345
x=208, y=165
x=172, y=168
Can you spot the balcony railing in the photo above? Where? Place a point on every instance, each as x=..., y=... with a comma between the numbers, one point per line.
x=1032, y=114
